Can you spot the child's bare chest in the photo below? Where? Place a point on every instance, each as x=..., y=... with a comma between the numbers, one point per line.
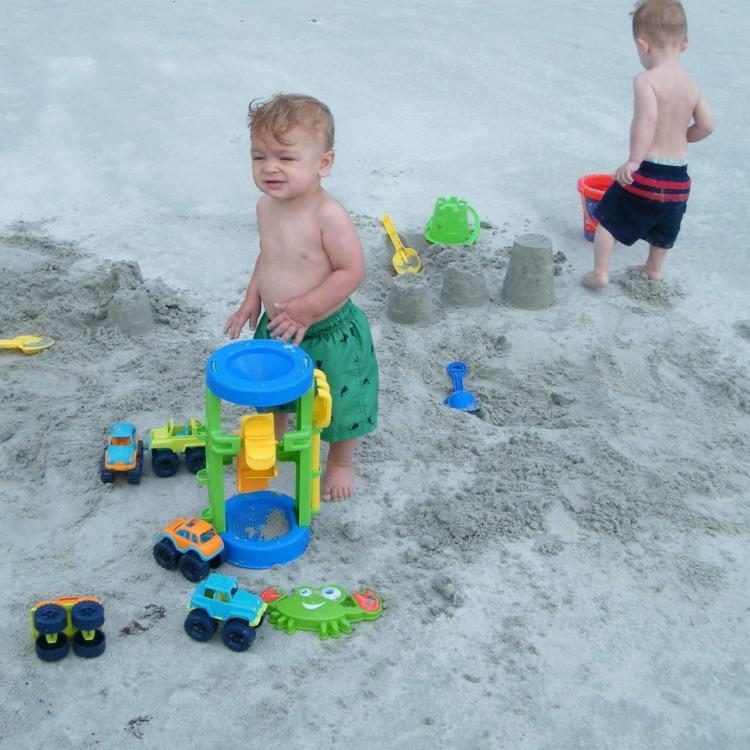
x=294, y=244
x=292, y=236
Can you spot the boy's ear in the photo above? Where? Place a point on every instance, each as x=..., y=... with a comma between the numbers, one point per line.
x=326, y=163
x=643, y=44
x=685, y=44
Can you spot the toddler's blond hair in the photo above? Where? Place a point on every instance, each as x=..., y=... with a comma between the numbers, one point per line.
x=282, y=112
x=660, y=21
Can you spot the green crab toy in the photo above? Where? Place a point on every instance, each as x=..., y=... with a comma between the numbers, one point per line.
x=328, y=610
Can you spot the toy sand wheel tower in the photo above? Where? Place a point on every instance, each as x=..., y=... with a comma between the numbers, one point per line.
x=261, y=528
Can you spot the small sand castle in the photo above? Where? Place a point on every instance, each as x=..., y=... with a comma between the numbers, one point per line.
x=464, y=280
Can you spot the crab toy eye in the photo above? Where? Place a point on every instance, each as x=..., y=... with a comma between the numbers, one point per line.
x=305, y=592
x=331, y=593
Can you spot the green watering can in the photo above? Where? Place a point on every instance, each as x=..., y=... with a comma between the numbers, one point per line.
x=449, y=224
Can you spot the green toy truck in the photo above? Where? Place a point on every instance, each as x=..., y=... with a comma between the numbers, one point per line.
x=165, y=443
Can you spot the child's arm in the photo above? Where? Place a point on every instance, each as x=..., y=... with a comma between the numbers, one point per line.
x=703, y=122
x=248, y=311
x=344, y=250
x=642, y=129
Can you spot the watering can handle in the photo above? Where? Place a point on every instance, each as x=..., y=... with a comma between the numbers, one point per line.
x=475, y=231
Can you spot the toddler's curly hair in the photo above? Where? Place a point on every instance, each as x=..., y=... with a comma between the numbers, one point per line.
x=282, y=112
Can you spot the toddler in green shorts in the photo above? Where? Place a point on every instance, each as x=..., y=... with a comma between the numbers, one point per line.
x=310, y=262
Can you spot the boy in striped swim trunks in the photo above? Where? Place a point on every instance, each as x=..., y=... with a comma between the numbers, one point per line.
x=649, y=196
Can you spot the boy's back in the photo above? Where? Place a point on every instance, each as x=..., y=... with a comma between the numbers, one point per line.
x=677, y=96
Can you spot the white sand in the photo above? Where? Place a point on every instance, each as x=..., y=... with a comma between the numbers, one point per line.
x=568, y=570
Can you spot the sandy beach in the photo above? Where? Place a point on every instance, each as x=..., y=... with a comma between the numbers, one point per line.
x=567, y=569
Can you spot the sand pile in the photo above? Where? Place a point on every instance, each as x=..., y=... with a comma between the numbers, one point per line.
x=624, y=438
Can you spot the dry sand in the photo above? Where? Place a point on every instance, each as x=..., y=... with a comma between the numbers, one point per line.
x=568, y=569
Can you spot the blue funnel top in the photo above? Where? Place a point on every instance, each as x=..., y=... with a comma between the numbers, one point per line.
x=259, y=372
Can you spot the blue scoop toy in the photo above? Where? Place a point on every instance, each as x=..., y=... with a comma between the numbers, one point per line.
x=460, y=399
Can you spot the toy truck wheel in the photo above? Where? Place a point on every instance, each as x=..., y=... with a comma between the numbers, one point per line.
x=106, y=475
x=47, y=651
x=237, y=635
x=199, y=625
x=166, y=555
x=195, y=459
x=192, y=567
x=134, y=476
x=215, y=562
x=87, y=616
x=164, y=462
x=50, y=619
x=89, y=649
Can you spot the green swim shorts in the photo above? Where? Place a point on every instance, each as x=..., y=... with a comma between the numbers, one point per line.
x=341, y=346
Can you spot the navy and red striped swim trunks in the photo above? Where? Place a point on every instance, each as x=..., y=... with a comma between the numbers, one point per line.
x=650, y=209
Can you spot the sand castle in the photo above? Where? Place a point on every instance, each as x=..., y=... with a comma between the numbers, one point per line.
x=528, y=283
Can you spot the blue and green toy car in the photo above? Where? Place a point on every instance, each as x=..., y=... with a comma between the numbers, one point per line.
x=122, y=455
x=220, y=598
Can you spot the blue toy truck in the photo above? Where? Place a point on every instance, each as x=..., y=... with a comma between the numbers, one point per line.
x=123, y=454
x=220, y=598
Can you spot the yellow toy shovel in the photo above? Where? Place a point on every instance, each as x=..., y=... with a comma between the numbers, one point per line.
x=27, y=344
x=405, y=259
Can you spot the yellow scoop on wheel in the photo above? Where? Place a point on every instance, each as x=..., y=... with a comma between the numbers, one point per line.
x=27, y=344
x=405, y=259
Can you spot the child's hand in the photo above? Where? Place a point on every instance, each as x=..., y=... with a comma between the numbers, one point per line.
x=291, y=322
x=624, y=174
x=246, y=313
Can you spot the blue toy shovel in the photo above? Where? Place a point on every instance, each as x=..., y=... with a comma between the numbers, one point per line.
x=460, y=399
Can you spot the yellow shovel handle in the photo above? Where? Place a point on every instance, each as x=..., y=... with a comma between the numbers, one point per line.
x=392, y=233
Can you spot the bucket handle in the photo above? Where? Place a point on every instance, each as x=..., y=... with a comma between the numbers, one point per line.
x=474, y=232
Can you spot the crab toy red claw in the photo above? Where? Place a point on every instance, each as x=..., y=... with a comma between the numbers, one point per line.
x=367, y=599
x=271, y=594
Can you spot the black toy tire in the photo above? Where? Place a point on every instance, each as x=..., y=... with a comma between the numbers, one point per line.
x=106, y=475
x=237, y=635
x=164, y=462
x=215, y=562
x=87, y=616
x=52, y=651
x=195, y=459
x=166, y=555
x=50, y=619
x=193, y=567
x=134, y=475
x=89, y=649
x=199, y=625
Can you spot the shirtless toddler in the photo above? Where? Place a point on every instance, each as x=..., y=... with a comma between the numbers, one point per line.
x=649, y=196
x=310, y=262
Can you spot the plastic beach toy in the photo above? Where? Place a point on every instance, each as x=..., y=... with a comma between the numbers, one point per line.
x=592, y=188
x=449, y=224
x=259, y=527
x=327, y=611
x=405, y=259
x=55, y=623
x=460, y=399
x=27, y=344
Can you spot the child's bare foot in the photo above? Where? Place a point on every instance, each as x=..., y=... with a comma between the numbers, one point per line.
x=593, y=280
x=652, y=275
x=338, y=483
